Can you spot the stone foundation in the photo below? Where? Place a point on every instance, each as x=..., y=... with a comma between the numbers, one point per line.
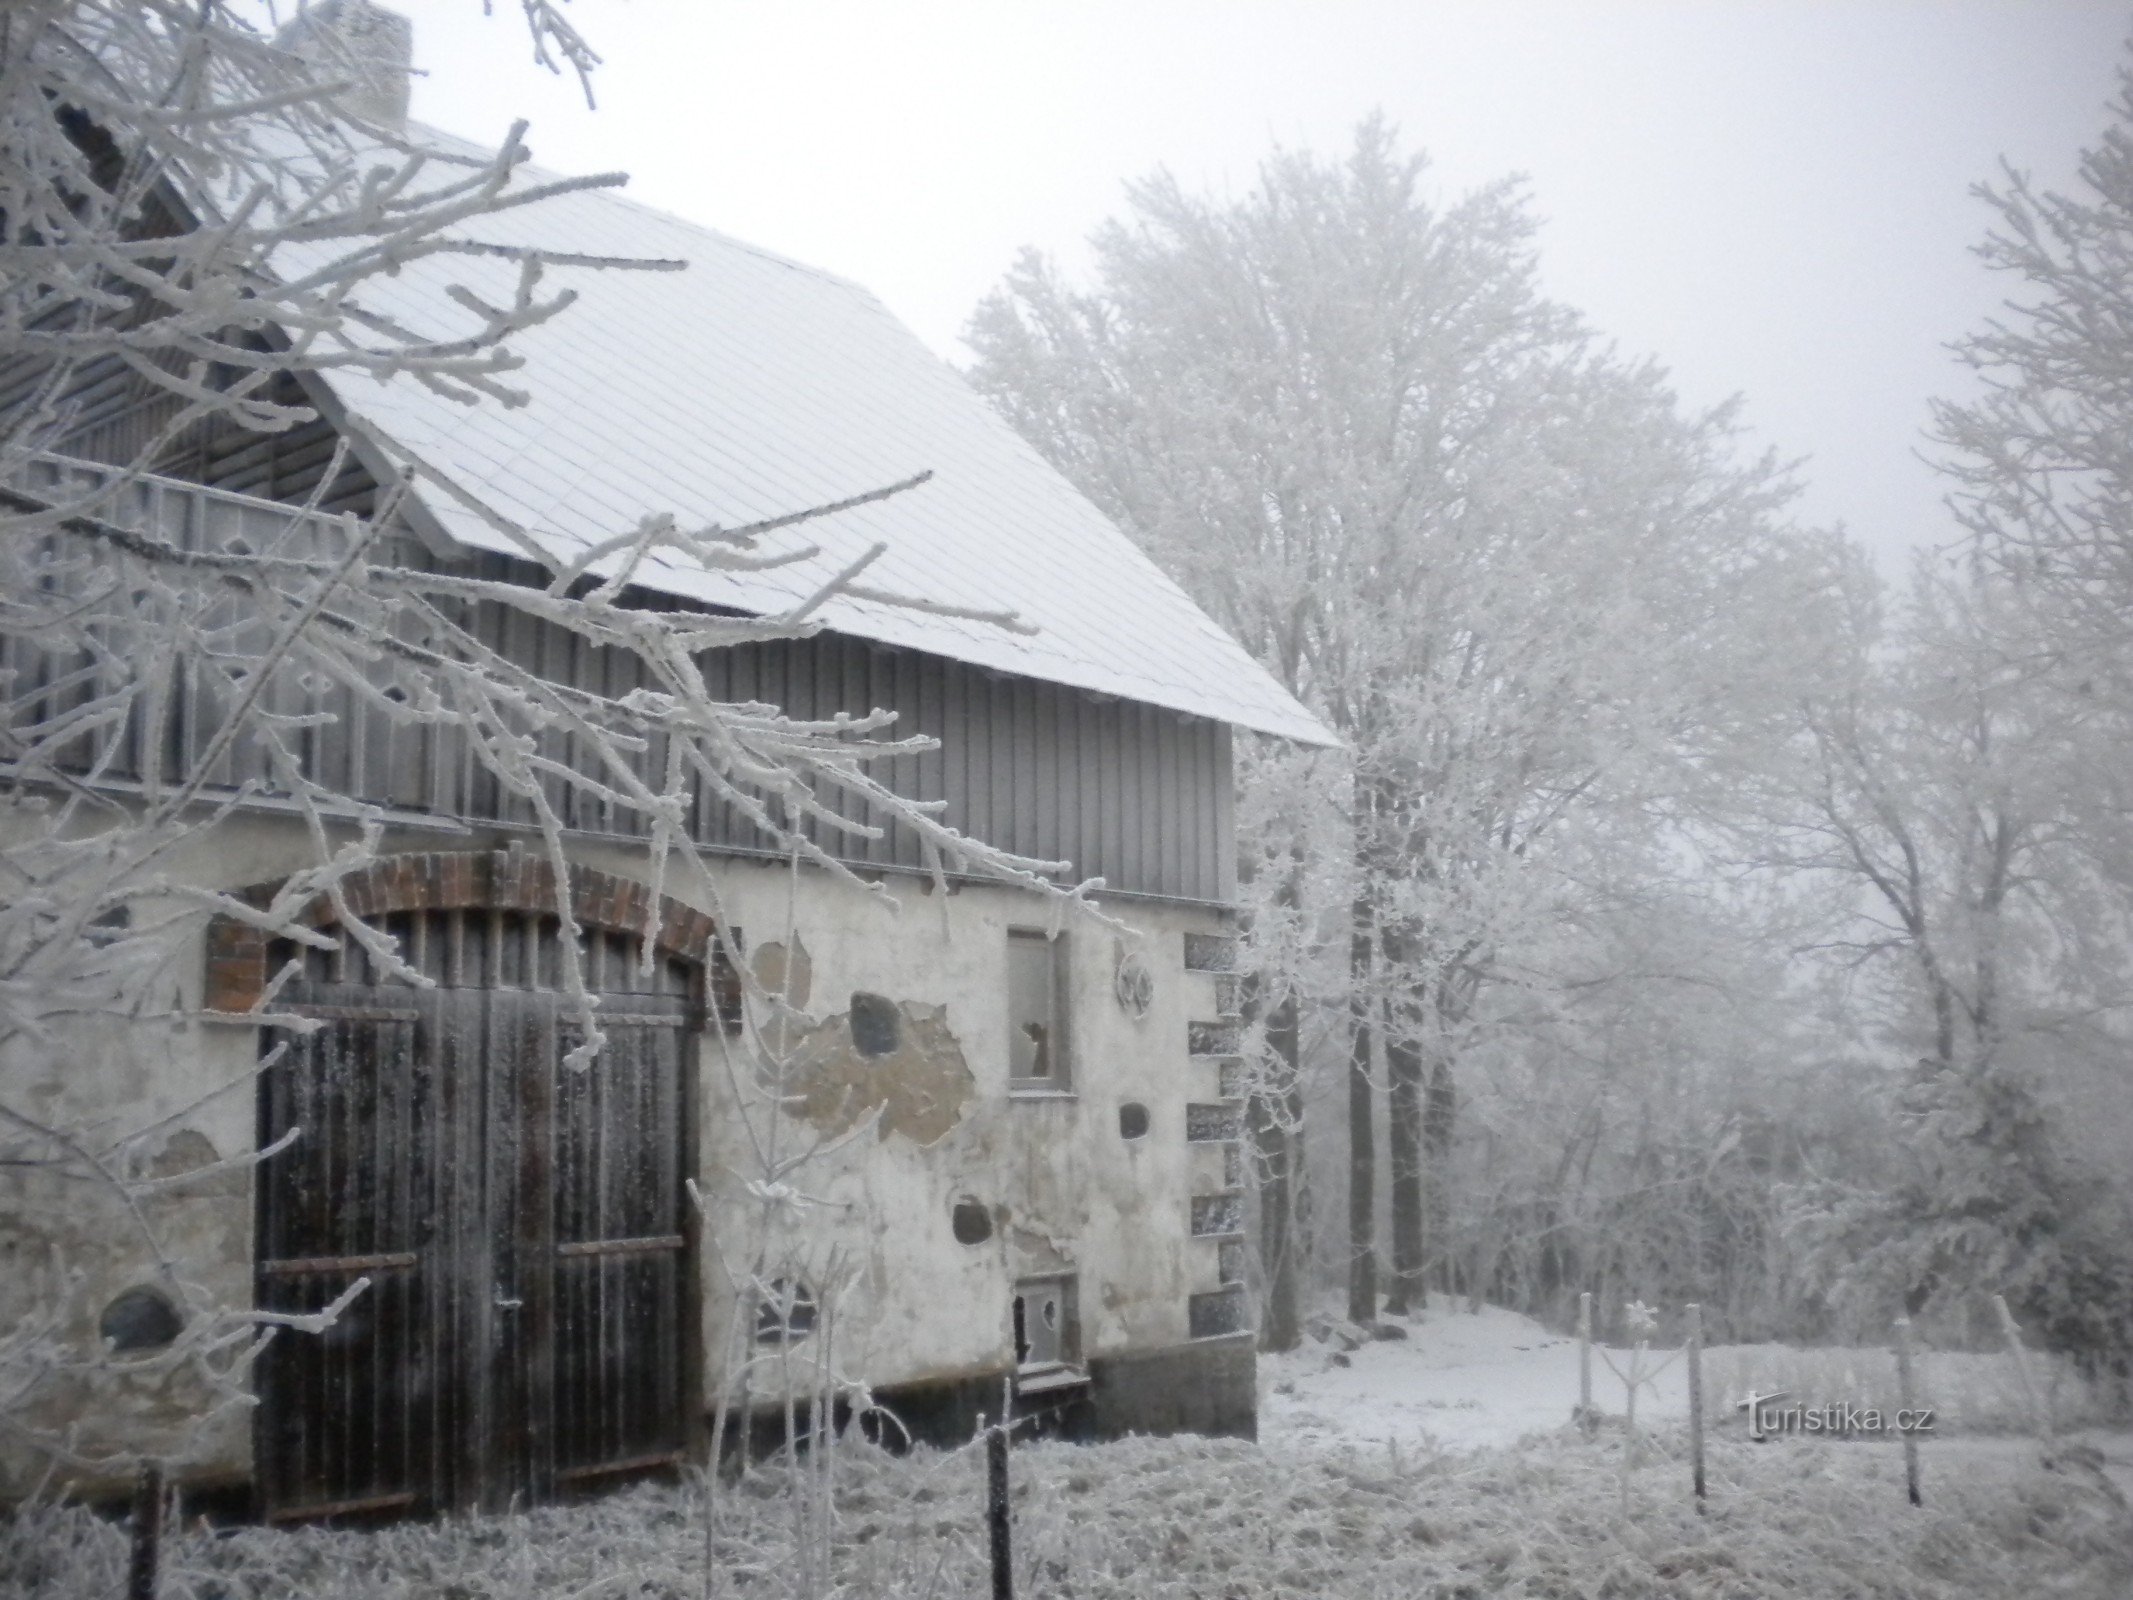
x=1210, y=1386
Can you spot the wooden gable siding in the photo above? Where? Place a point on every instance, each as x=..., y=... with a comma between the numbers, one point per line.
x=1134, y=793
x=108, y=413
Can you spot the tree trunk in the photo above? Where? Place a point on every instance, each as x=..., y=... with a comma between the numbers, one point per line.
x=1440, y=1111
x=1277, y=1131
x=1362, y=1131
x=1403, y=1129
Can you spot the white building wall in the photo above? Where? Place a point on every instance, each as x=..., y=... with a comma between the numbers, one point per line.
x=1064, y=1191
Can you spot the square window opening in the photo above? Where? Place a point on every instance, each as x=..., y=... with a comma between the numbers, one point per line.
x=1047, y=1330
x=1036, y=1011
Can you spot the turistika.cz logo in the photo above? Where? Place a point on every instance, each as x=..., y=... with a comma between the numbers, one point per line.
x=1767, y=1417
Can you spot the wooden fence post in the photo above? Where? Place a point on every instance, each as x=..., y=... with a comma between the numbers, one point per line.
x=1695, y=1357
x=142, y=1576
x=1586, y=1419
x=1003, y=1573
x=2039, y=1410
x=1907, y=1397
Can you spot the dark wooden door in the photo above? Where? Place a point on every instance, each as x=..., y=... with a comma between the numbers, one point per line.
x=529, y=1325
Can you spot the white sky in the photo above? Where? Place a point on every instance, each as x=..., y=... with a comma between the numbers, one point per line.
x=1769, y=197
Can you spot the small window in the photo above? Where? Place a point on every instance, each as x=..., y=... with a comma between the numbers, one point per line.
x=1045, y=1331
x=877, y=1027
x=970, y=1220
x=141, y=1319
x=1036, y=1019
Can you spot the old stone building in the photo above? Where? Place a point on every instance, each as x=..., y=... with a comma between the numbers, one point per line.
x=1030, y=1175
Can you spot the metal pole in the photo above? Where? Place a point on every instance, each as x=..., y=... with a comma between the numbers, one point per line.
x=1003, y=1573
x=1696, y=1399
x=1907, y=1397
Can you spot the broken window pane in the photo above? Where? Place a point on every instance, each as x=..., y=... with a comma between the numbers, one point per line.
x=1044, y=1322
x=1036, y=1041
x=1210, y=1316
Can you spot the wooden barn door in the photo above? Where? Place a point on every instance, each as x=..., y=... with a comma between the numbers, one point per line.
x=529, y=1325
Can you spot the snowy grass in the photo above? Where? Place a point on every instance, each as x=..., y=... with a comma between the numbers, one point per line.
x=1971, y=1392
x=1221, y=1519
x=1431, y=1466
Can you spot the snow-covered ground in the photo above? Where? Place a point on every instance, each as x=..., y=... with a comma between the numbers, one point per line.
x=1459, y=1380
x=1464, y=1380
x=1320, y=1507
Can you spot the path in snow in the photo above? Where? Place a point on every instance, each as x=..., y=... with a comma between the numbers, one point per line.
x=1459, y=1380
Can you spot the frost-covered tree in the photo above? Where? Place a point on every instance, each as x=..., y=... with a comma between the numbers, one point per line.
x=194, y=212
x=2042, y=461
x=1953, y=791
x=1499, y=559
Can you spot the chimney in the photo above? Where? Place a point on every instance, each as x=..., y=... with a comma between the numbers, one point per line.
x=366, y=44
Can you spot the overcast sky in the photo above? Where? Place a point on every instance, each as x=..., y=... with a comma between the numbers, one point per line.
x=1771, y=198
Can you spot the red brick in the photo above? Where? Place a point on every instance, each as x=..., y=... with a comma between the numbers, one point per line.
x=236, y=966
x=425, y=882
x=455, y=881
x=360, y=890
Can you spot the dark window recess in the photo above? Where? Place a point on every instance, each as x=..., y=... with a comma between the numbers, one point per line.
x=140, y=1319
x=1229, y=994
x=1209, y=1316
x=786, y=1311
x=1132, y=1120
x=1231, y=1080
x=1213, y=1038
x=1214, y=1214
x=1212, y=1124
x=108, y=926
x=1045, y=1334
x=1036, y=1032
x=1233, y=1165
x=1229, y=1261
x=971, y=1221
x=877, y=1026
x=1210, y=952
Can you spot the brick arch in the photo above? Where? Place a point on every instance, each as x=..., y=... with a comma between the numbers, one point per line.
x=497, y=880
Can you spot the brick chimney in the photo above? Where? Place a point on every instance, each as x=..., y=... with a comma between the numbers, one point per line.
x=362, y=42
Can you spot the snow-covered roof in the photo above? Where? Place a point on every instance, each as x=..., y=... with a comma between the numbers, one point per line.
x=749, y=386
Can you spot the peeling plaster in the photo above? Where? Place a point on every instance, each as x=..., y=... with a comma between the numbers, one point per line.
x=189, y=1161
x=920, y=1087
x=1038, y=1255
x=770, y=971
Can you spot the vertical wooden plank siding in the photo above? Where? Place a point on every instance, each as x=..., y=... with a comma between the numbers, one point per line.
x=1135, y=793
x=523, y=1224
